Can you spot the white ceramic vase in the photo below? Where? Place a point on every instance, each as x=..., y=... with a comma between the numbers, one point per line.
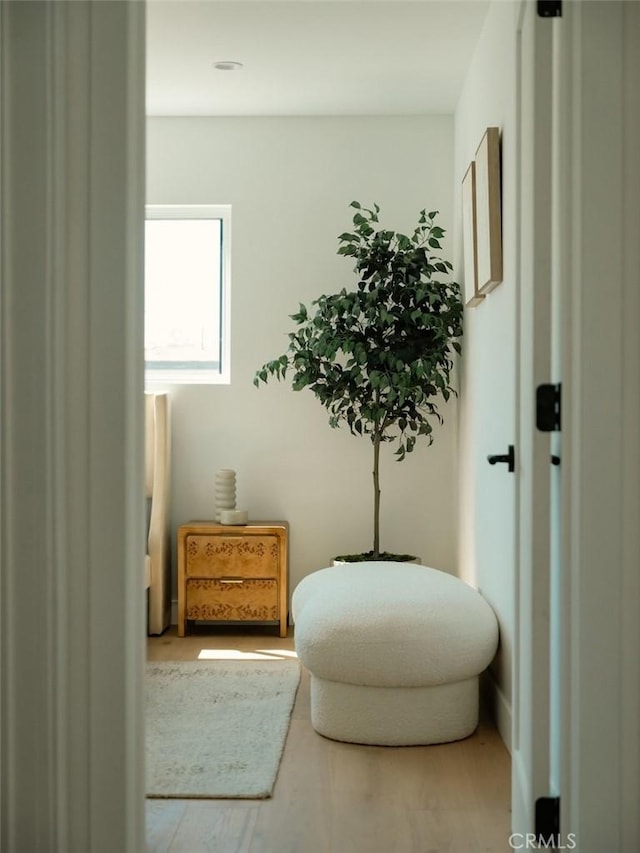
x=225, y=491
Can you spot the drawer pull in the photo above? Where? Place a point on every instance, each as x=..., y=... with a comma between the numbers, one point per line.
x=237, y=581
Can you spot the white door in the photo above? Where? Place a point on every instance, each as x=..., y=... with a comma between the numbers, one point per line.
x=531, y=718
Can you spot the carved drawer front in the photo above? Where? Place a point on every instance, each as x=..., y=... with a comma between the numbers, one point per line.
x=233, y=599
x=231, y=556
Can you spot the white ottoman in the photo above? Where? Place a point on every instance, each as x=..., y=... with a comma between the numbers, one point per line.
x=394, y=651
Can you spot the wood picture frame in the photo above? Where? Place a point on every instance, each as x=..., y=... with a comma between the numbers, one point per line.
x=488, y=212
x=469, y=244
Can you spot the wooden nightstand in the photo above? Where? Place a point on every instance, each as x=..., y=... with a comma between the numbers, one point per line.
x=233, y=573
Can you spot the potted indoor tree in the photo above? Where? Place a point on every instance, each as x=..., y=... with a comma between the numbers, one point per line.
x=380, y=357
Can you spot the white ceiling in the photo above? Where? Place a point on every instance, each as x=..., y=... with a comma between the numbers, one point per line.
x=309, y=57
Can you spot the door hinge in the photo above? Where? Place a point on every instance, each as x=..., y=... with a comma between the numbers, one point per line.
x=550, y=8
x=547, y=828
x=548, y=407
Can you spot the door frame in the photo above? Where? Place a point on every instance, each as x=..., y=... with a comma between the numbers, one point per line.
x=71, y=435
x=600, y=762
x=596, y=768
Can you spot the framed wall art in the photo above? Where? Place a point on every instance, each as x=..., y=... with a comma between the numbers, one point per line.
x=488, y=214
x=470, y=254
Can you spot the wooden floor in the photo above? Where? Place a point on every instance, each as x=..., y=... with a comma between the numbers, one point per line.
x=334, y=797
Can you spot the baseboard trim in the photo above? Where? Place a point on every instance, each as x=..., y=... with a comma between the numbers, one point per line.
x=498, y=706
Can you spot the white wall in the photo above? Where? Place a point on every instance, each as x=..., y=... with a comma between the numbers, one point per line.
x=290, y=181
x=487, y=409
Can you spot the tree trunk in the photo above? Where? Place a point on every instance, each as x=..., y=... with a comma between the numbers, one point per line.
x=376, y=494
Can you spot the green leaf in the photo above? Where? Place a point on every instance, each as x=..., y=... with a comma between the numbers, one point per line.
x=301, y=316
x=355, y=204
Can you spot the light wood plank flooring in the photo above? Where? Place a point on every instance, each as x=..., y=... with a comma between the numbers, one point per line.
x=334, y=797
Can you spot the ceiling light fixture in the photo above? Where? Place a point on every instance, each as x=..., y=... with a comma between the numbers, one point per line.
x=227, y=65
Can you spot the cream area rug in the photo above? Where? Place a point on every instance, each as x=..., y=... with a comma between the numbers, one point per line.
x=217, y=729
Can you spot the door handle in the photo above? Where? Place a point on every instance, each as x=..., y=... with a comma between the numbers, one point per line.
x=509, y=458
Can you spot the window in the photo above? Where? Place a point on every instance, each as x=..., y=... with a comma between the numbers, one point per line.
x=186, y=317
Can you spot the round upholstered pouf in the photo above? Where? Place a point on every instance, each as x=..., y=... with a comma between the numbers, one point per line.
x=394, y=651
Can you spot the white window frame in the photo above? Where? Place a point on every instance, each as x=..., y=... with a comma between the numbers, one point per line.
x=155, y=377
